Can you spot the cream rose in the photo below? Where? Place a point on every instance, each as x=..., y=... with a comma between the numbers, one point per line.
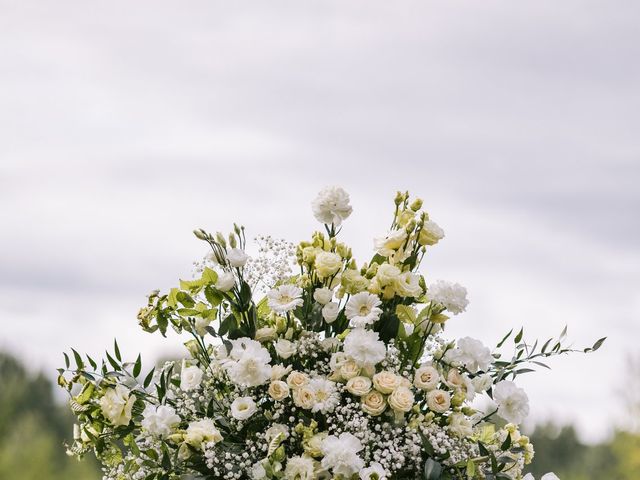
x=349, y=369
x=285, y=348
x=278, y=390
x=304, y=397
x=266, y=334
x=297, y=380
x=454, y=379
x=386, y=382
x=323, y=295
x=426, y=378
x=330, y=312
x=438, y=401
x=373, y=403
x=401, y=400
x=327, y=264
x=359, y=386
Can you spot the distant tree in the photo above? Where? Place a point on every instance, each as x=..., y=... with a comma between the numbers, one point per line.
x=33, y=428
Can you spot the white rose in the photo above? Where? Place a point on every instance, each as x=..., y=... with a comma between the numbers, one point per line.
x=258, y=471
x=438, y=401
x=190, y=378
x=116, y=405
x=243, y=407
x=278, y=390
x=266, y=334
x=285, y=348
x=386, y=382
x=401, y=400
x=359, y=386
x=330, y=312
x=373, y=403
x=426, y=378
x=323, y=295
x=225, y=281
x=237, y=257
x=202, y=431
x=327, y=264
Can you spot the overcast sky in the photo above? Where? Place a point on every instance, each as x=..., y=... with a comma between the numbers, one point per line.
x=124, y=125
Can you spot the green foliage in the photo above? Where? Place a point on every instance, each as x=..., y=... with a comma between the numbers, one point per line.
x=33, y=429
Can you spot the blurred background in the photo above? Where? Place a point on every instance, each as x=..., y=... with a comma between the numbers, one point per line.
x=124, y=125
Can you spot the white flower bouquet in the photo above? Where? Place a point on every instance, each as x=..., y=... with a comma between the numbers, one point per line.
x=339, y=371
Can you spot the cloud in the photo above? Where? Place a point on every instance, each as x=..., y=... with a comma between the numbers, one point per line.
x=120, y=133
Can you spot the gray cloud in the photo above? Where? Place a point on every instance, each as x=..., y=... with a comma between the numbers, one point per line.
x=121, y=129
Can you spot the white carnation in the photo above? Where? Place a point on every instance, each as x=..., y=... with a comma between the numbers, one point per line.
x=285, y=298
x=513, y=403
x=452, y=296
x=202, y=432
x=472, y=354
x=248, y=363
x=363, y=309
x=481, y=383
x=243, y=407
x=159, y=420
x=300, y=468
x=331, y=206
x=365, y=347
x=341, y=454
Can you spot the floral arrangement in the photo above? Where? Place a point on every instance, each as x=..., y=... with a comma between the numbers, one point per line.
x=337, y=371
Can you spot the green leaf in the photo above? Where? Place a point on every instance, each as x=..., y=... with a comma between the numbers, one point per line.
x=93, y=364
x=185, y=299
x=116, y=350
x=209, y=276
x=518, y=336
x=504, y=339
x=598, y=344
x=188, y=312
x=507, y=443
x=66, y=360
x=148, y=378
x=78, y=359
x=406, y=314
x=114, y=364
x=137, y=367
x=432, y=470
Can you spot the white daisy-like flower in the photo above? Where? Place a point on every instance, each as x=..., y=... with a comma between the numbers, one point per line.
x=331, y=206
x=363, y=309
x=325, y=393
x=285, y=298
x=373, y=472
x=452, y=296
